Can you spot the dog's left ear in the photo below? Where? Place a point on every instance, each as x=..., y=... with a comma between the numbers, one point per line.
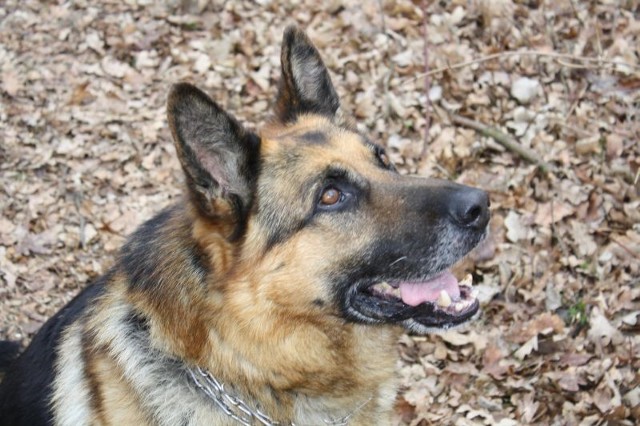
x=305, y=85
x=219, y=157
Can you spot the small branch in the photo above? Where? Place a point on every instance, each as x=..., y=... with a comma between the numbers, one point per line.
x=382, y=20
x=77, y=201
x=427, y=81
x=625, y=248
x=505, y=140
x=526, y=53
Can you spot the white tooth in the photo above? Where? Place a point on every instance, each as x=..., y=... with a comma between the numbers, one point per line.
x=463, y=304
x=386, y=288
x=474, y=293
x=466, y=281
x=383, y=287
x=444, y=300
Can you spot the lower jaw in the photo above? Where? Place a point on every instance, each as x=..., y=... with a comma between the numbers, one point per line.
x=418, y=328
x=415, y=323
x=421, y=324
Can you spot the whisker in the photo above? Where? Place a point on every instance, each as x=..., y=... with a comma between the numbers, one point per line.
x=397, y=260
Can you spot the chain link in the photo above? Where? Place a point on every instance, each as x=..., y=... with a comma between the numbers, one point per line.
x=238, y=410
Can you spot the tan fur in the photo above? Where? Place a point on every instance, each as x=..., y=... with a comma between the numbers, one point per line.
x=288, y=343
x=259, y=316
x=116, y=403
x=258, y=327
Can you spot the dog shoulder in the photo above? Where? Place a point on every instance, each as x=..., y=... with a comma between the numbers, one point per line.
x=131, y=371
x=26, y=390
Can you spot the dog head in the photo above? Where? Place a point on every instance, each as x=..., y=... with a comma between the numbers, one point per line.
x=320, y=222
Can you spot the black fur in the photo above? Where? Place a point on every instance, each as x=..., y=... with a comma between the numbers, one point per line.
x=143, y=257
x=26, y=389
x=8, y=352
x=313, y=138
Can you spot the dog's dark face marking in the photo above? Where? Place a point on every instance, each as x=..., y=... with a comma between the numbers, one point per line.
x=380, y=227
x=316, y=195
x=313, y=137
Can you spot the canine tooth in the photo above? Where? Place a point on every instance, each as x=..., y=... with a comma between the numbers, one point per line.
x=381, y=286
x=444, y=300
x=389, y=289
x=467, y=281
x=386, y=288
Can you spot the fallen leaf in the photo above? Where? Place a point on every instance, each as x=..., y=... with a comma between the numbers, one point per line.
x=516, y=230
x=525, y=89
x=574, y=360
x=11, y=83
x=569, y=382
x=552, y=212
x=600, y=329
x=455, y=338
x=527, y=348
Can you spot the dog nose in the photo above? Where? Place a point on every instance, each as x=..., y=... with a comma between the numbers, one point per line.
x=469, y=208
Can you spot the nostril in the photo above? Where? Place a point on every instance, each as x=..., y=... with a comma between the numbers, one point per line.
x=473, y=213
x=469, y=207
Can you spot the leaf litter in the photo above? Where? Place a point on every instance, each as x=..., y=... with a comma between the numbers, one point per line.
x=85, y=157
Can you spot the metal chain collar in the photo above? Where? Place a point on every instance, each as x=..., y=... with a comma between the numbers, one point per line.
x=238, y=410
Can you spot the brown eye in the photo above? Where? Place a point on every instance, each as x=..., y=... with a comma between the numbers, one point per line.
x=330, y=196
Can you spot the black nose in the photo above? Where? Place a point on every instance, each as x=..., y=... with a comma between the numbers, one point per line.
x=469, y=207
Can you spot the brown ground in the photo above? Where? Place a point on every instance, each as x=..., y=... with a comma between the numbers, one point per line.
x=85, y=156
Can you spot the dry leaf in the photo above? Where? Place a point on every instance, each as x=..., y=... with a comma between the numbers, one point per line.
x=527, y=348
x=600, y=329
x=525, y=89
x=11, y=83
x=516, y=230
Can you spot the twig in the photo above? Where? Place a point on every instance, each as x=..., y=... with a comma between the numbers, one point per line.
x=625, y=248
x=577, y=66
x=563, y=123
x=561, y=243
x=427, y=81
x=382, y=20
x=385, y=87
x=576, y=101
x=525, y=53
x=504, y=140
x=77, y=201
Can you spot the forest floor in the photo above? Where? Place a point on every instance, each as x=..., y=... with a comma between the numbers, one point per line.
x=86, y=156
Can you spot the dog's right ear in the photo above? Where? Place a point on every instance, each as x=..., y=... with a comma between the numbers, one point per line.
x=305, y=86
x=219, y=157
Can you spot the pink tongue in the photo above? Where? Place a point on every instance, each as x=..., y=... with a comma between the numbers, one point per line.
x=414, y=294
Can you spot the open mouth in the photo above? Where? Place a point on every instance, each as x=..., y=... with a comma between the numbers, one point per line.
x=439, y=302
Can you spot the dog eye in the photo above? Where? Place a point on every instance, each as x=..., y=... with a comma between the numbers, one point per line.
x=330, y=196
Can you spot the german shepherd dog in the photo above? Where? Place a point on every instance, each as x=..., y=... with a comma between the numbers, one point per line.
x=274, y=293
